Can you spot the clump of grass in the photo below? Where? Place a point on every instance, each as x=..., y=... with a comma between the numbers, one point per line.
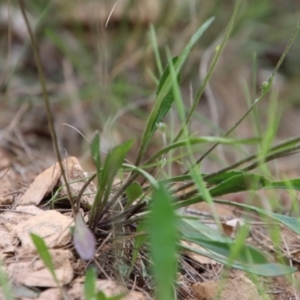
x=141, y=215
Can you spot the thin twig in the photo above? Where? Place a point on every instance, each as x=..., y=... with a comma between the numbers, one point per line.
x=46, y=101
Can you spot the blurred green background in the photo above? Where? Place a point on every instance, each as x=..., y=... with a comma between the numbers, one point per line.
x=101, y=70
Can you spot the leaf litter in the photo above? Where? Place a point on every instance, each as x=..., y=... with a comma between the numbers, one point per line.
x=32, y=213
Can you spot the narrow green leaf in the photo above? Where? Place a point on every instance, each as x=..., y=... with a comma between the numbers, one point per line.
x=5, y=286
x=238, y=183
x=167, y=100
x=218, y=247
x=133, y=192
x=145, y=174
x=112, y=164
x=155, y=49
x=95, y=153
x=101, y=296
x=223, y=176
x=211, y=180
x=291, y=184
x=139, y=241
x=267, y=269
x=200, y=140
x=44, y=254
x=290, y=222
x=20, y=292
x=162, y=225
x=212, y=240
x=90, y=284
x=166, y=88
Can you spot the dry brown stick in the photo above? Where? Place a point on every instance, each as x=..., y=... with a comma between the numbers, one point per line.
x=47, y=102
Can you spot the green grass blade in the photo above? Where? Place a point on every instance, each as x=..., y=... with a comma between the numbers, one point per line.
x=44, y=254
x=285, y=185
x=267, y=270
x=201, y=140
x=201, y=89
x=112, y=164
x=223, y=176
x=90, y=284
x=216, y=179
x=139, y=241
x=290, y=222
x=133, y=192
x=162, y=226
x=238, y=183
x=145, y=174
x=219, y=247
x=101, y=296
x=95, y=153
x=168, y=99
x=165, y=89
x=212, y=240
x=4, y=285
x=155, y=49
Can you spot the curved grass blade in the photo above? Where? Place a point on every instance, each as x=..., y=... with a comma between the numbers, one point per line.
x=139, y=241
x=112, y=164
x=212, y=240
x=290, y=222
x=284, y=185
x=168, y=99
x=265, y=269
x=165, y=88
x=133, y=192
x=162, y=226
x=95, y=153
x=90, y=284
x=44, y=254
x=218, y=247
x=5, y=287
x=238, y=183
x=201, y=140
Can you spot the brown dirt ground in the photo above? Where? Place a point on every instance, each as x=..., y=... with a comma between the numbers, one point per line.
x=26, y=151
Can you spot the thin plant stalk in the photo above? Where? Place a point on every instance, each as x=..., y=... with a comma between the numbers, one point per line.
x=47, y=102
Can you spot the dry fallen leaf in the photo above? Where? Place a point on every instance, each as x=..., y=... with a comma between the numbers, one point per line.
x=49, y=294
x=45, y=182
x=41, y=186
x=108, y=287
x=77, y=178
x=8, y=242
x=8, y=179
x=198, y=257
x=50, y=225
x=32, y=272
x=230, y=227
x=84, y=240
x=236, y=287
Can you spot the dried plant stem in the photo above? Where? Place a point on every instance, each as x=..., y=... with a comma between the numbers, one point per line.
x=46, y=101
